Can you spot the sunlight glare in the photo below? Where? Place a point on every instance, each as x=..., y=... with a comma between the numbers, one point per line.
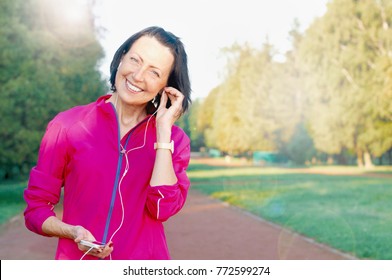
x=74, y=11
x=68, y=21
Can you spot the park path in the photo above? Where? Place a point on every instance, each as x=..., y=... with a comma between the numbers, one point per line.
x=205, y=229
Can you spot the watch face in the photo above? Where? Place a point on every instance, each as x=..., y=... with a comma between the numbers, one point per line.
x=172, y=146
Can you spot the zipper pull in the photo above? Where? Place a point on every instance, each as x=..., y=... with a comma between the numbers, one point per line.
x=123, y=151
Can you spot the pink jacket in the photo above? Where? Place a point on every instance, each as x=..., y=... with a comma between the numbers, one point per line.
x=81, y=152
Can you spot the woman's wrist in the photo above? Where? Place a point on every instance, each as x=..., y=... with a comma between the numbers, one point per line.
x=163, y=134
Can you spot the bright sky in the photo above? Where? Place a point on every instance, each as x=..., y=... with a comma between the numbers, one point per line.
x=205, y=27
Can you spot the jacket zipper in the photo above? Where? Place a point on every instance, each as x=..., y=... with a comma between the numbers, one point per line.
x=116, y=181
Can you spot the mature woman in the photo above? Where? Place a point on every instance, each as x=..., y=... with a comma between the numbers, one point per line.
x=121, y=160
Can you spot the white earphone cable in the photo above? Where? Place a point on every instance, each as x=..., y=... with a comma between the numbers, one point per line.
x=88, y=251
x=125, y=152
x=126, y=171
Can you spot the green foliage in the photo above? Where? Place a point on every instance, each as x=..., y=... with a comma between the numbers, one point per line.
x=196, y=135
x=46, y=67
x=253, y=109
x=300, y=147
x=188, y=122
x=237, y=117
x=346, y=57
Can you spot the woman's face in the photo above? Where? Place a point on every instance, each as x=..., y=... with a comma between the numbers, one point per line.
x=143, y=71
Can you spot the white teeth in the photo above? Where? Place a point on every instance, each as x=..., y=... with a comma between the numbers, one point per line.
x=133, y=88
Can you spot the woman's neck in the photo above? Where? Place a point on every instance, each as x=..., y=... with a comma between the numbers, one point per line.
x=128, y=115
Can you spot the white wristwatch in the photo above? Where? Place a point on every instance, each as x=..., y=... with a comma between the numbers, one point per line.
x=168, y=146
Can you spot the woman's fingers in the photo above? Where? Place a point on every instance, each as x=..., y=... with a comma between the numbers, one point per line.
x=163, y=101
x=176, y=98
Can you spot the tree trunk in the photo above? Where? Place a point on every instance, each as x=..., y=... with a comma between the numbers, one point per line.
x=359, y=158
x=368, y=160
x=342, y=159
x=330, y=160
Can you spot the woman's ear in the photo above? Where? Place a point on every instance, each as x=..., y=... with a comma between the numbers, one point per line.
x=121, y=59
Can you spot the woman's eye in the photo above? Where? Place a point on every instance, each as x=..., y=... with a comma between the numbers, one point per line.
x=134, y=59
x=155, y=73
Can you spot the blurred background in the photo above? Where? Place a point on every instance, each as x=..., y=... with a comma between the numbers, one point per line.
x=284, y=85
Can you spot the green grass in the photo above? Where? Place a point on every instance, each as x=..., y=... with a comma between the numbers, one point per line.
x=11, y=200
x=350, y=213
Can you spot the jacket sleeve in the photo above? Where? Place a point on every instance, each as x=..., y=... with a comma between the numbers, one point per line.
x=46, y=178
x=166, y=200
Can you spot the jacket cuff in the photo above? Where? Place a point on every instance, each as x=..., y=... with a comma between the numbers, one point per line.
x=165, y=201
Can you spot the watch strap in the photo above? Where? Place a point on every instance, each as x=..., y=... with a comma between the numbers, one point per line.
x=168, y=146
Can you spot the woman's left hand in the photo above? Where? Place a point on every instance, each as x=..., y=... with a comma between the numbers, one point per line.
x=168, y=116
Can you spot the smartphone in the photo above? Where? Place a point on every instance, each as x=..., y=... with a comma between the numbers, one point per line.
x=92, y=244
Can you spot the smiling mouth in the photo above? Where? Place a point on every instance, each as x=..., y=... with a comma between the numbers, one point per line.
x=133, y=88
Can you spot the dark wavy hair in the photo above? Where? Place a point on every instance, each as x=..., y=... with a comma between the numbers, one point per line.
x=179, y=76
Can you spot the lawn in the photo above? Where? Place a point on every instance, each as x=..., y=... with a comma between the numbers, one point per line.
x=351, y=213
x=11, y=200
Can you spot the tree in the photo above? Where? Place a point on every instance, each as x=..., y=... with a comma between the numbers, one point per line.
x=188, y=122
x=196, y=135
x=44, y=69
x=345, y=55
x=237, y=120
x=232, y=122
x=292, y=136
x=257, y=106
x=205, y=118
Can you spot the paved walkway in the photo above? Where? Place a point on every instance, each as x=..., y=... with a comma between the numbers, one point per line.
x=205, y=229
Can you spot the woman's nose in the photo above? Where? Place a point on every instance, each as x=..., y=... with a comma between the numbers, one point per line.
x=138, y=74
